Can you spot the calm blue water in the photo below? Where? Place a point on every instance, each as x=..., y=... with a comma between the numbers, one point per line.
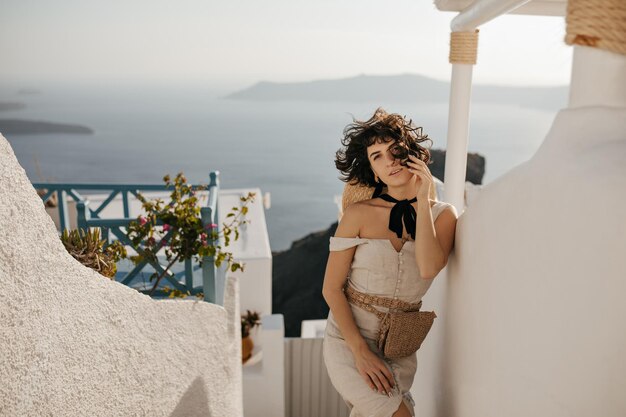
x=285, y=148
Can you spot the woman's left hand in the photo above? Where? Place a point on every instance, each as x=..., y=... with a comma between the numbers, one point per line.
x=424, y=179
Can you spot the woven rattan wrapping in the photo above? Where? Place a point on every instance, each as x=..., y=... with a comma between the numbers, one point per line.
x=354, y=193
x=463, y=47
x=597, y=23
x=405, y=332
x=402, y=332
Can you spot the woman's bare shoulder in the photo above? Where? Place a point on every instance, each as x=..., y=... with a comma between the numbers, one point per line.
x=372, y=203
x=356, y=215
x=350, y=222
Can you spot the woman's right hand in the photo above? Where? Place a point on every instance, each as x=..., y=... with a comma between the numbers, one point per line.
x=373, y=370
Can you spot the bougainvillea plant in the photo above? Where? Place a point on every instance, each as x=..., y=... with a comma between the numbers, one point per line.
x=176, y=230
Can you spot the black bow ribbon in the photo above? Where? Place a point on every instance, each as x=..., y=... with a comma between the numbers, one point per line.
x=402, y=210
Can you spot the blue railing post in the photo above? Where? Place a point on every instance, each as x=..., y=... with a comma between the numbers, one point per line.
x=210, y=217
x=63, y=212
x=188, y=274
x=214, y=183
x=208, y=262
x=82, y=214
x=125, y=204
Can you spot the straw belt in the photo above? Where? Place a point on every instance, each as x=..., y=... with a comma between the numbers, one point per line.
x=366, y=301
x=597, y=23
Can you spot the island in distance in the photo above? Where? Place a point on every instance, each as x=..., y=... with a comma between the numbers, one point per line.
x=34, y=127
x=28, y=91
x=400, y=88
x=11, y=106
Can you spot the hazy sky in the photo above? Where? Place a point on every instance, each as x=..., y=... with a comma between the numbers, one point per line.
x=235, y=43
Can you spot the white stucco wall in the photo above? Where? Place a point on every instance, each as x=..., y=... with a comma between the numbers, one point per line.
x=73, y=343
x=264, y=382
x=253, y=248
x=534, y=297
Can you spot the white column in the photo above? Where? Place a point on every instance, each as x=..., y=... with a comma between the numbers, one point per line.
x=458, y=135
x=469, y=19
x=598, y=78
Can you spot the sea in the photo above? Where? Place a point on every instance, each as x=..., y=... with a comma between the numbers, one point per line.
x=285, y=148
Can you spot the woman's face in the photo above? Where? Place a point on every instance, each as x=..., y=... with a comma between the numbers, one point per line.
x=385, y=165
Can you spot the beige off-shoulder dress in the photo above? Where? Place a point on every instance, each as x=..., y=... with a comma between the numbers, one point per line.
x=378, y=269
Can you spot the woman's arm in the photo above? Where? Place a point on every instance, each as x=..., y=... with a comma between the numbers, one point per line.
x=335, y=277
x=371, y=368
x=433, y=242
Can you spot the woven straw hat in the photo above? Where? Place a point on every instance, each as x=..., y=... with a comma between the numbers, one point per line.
x=359, y=192
x=355, y=193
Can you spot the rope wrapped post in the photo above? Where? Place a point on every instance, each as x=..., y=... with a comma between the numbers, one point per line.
x=463, y=47
x=463, y=55
x=597, y=30
x=597, y=23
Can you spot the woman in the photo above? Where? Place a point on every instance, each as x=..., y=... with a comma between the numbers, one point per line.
x=391, y=246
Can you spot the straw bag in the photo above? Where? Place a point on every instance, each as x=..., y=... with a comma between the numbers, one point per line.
x=401, y=332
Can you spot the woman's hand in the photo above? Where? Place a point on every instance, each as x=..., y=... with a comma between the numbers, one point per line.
x=424, y=178
x=373, y=370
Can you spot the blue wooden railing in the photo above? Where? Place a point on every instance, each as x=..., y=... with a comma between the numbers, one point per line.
x=90, y=217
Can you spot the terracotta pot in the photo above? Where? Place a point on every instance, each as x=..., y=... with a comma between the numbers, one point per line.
x=246, y=348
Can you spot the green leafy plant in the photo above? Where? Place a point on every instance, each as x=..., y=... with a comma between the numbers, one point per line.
x=176, y=229
x=87, y=248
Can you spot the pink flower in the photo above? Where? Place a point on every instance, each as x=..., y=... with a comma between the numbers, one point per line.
x=203, y=237
x=166, y=227
x=151, y=241
x=142, y=220
x=163, y=242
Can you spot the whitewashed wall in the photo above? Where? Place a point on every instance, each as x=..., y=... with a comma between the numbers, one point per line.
x=534, y=299
x=264, y=381
x=73, y=343
x=253, y=248
x=427, y=388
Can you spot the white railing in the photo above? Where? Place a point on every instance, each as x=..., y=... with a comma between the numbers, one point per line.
x=308, y=390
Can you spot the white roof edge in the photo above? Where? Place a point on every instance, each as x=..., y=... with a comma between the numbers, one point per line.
x=534, y=7
x=243, y=190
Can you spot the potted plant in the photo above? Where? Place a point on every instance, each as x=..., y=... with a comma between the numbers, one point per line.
x=87, y=248
x=248, y=321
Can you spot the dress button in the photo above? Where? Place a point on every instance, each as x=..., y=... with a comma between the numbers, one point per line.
x=400, y=262
x=395, y=298
x=400, y=271
x=400, y=254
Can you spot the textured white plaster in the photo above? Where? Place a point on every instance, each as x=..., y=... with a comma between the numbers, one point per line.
x=74, y=343
x=535, y=297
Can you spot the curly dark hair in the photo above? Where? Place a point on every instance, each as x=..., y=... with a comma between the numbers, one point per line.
x=382, y=127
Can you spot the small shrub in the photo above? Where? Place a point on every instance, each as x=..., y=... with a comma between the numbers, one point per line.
x=87, y=248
